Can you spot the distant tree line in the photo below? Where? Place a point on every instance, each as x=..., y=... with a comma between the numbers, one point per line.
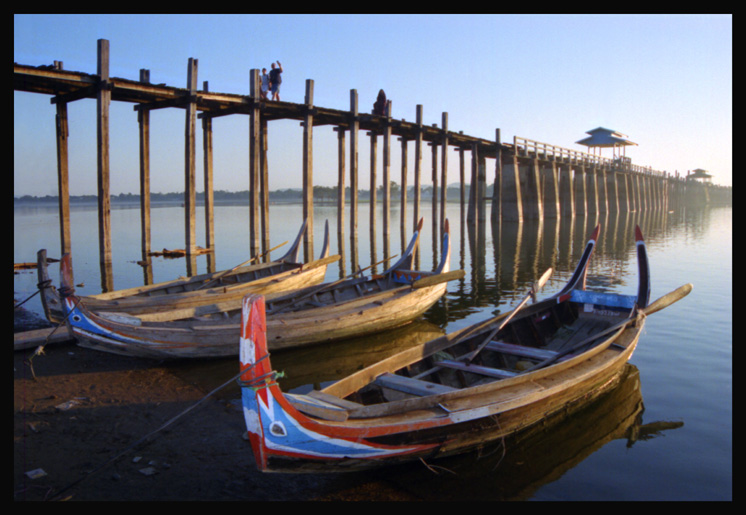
x=320, y=193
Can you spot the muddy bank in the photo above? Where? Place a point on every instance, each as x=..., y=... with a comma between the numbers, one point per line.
x=84, y=407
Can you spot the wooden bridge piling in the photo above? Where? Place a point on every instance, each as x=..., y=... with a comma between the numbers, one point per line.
x=63, y=181
x=354, y=125
x=307, y=168
x=143, y=121
x=190, y=170
x=103, y=101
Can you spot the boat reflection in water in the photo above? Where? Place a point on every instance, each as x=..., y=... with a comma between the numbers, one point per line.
x=516, y=467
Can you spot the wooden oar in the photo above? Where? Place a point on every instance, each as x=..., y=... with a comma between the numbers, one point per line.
x=663, y=302
x=331, y=285
x=225, y=272
x=538, y=285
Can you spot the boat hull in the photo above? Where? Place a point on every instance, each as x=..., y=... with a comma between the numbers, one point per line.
x=353, y=308
x=122, y=335
x=294, y=442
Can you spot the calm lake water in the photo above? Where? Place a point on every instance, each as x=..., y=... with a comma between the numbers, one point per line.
x=664, y=434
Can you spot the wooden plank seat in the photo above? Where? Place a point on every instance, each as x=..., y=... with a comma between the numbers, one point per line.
x=520, y=350
x=410, y=385
x=505, y=348
x=477, y=369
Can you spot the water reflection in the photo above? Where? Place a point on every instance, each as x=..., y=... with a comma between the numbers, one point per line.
x=515, y=468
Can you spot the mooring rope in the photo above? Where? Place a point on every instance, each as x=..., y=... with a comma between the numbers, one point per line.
x=40, y=286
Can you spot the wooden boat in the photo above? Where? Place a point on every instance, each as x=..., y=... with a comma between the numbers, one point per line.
x=283, y=274
x=335, y=311
x=452, y=393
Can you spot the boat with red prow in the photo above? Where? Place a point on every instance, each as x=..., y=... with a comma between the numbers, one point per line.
x=451, y=393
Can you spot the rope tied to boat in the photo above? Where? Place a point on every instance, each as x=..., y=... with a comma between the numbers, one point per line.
x=39, y=287
x=40, y=349
x=262, y=381
x=640, y=316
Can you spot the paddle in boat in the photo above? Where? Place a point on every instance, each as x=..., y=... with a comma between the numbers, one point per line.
x=450, y=394
x=338, y=310
x=283, y=274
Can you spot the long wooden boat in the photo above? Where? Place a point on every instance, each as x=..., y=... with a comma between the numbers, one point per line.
x=283, y=274
x=335, y=311
x=452, y=393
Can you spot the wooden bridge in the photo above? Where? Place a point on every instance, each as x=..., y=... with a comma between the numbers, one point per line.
x=531, y=179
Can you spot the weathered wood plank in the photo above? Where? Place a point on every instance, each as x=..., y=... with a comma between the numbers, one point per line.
x=411, y=386
x=36, y=337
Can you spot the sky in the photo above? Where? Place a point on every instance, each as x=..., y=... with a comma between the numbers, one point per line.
x=665, y=81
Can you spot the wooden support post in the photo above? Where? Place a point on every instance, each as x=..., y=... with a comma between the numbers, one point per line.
x=479, y=166
x=434, y=175
x=462, y=183
x=474, y=207
x=354, y=130
x=254, y=161
x=373, y=195
x=639, y=189
x=566, y=191
x=387, y=180
x=512, y=203
x=550, y=178
x=533, y=209
x=498, y=185
x=417, y=167
x=403, y=191
x=340, y=184
x=632, y=191
x=603, y=194
x=103, y=101
x=209, y=193
x=591, y=191
x=579, y=187
x=63, y=176
x=264, y=187
x=444, y=173
x=623, y=192
x=612, y=198
x=190, y=186
x=143, y=118
x=308, y=170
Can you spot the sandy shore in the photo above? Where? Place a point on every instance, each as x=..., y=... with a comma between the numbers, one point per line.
x=84, y=407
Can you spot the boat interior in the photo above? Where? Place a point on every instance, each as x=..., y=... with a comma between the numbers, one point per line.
x=529, y=339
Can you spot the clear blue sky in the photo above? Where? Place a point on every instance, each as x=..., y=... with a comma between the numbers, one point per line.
x=664, y=81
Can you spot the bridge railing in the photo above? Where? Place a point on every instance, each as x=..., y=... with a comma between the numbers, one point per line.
x=531, y=148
